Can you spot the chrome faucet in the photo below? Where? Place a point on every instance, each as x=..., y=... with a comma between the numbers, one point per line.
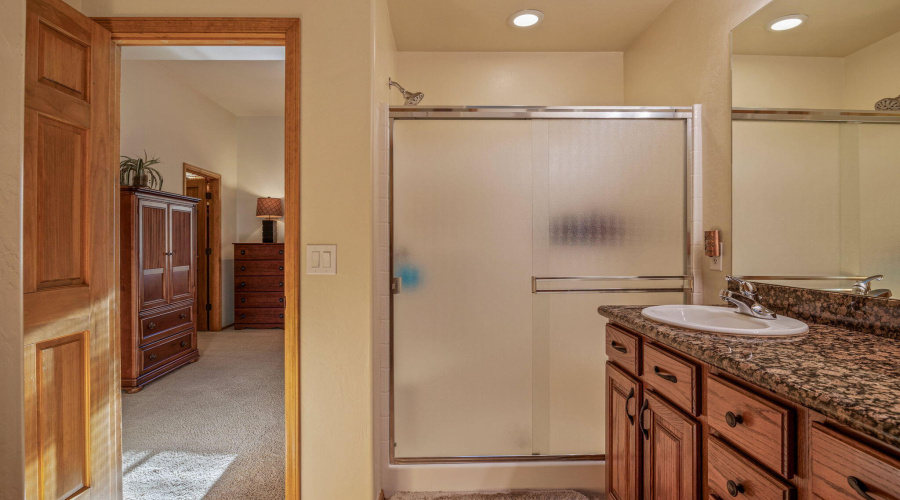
x=864, y=287
x=747, y=301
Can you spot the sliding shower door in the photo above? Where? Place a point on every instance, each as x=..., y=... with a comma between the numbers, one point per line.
x=495, y=350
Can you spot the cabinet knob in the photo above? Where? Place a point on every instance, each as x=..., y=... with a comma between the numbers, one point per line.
x=182, y=316
x=629, y=398
x=281, y=316
x=151, y=326
x=184, y=343
x=243, y=283
x=733, y=420
x=644, y=407
x=734, y=489
x=280, y=299
x=859, y=487
x=243, y=252
x=243, y=316
x=281, y=268
x=281, y=252
x=243, y=268
x=243, y=299
x=281, y=283
x=152, y=356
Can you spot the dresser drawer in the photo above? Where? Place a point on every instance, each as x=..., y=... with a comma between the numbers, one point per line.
x=757, y=426
x=258, y=284
x=842, y=468
x=261, y=315
x=271, y=251
x=622, y=348
x=730, y=474
x=161, y=352
x=160, y=325
x=259, y=268
x=259, y=299
x=675, y=378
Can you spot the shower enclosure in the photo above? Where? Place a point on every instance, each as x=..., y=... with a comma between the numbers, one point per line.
x=509, y=227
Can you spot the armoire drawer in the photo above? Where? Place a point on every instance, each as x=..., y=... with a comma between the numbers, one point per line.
x=732, y=475
x=258, y=284
x=270, y=251
x=259, y=268
x=159, y=325
x=260, y=315
x=159, y=353
x=259, y=299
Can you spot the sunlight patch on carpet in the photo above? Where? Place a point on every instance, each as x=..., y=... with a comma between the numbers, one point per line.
x=171, y=475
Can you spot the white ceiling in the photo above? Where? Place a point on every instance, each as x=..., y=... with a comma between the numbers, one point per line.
x=481, y=25
x=247, y=81
x=836, y=28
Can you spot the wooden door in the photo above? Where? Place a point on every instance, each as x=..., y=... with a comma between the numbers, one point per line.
x=197, y=188
x=72, y=394
x=623, y=437
x=671, y=451
x=182, y=246
x=154, y=245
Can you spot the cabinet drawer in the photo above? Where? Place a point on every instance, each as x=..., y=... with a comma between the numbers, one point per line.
x=622, y=348
x=260, y=299
x=271, y=251
x=159, y=325
x=730, y=475
x=165, y=350
x=673, y=377
x=261, y=315
x=842, y=468
x=757, y=426
x=259, y=268
x=259, y=284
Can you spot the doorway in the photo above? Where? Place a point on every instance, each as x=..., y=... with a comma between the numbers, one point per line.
x=206, y=186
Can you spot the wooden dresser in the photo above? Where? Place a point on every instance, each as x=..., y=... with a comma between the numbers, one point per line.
x=158, y=286
x=258, y=285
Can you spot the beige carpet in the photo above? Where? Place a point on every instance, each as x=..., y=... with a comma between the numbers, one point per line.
x=213, y=429
x=492, y=495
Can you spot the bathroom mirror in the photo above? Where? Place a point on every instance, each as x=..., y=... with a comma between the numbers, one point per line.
x=816, y=144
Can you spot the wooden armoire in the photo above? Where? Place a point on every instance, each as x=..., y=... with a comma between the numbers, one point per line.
x=158, y=284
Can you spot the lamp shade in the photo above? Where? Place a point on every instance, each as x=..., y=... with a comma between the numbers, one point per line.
x=269, y=208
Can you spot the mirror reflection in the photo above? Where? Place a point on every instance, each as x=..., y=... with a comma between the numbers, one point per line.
x=816, y=145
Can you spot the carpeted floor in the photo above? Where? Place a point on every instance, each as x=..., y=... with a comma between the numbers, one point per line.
x=492, y=495
x=213, y=429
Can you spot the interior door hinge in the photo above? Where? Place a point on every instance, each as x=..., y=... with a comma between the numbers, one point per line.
x=209, y=307
x=209, y=251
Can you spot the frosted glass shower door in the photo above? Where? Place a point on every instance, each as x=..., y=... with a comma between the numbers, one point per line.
x=462, y=319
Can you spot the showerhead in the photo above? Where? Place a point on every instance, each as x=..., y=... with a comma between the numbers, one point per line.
x=888, y=104
x=409, y=98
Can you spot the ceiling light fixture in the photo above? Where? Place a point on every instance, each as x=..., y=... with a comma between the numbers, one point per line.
x=787, y=22
x=526, y=18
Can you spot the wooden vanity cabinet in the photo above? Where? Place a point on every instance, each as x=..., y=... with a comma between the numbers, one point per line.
x=679, y=429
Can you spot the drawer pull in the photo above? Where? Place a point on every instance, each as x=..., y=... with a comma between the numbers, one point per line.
x=281, y=268
x=152, y=356
x=243, y=283
x=243, y=316
x=644, y=407
x=734, y=489
x=281, y=316
x=243, y=299
x=615, y=345
x=859, y=487
x=151, y=326
x=243, y=252
x=281, y=283
x=182, y=316
x=733, y=420
x=184, y=343
x=665, y=376
x=281, y=252
x=243, y=268
x=630, y=396
x=280, y=299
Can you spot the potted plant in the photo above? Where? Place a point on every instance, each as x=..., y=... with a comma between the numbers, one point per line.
x=137, y=172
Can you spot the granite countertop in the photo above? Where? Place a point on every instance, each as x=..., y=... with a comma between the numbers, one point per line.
x=850, y=376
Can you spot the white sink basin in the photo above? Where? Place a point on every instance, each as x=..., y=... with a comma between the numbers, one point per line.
x=723, y=320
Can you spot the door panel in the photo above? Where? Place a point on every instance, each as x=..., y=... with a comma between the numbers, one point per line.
x=197, y=188
x=69, y=264
x=181, y=252
x=671, y=451
x=623, y=437
x=153, y=242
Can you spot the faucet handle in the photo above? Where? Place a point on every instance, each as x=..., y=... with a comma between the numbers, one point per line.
x=745, y=287
x=862, y=287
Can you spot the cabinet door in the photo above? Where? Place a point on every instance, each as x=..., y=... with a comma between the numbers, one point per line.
x=181, y=252
x=153, y=243
x=623, y=437
x=671, y=451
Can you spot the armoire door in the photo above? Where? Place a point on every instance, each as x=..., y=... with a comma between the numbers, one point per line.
x=154, y=247
x=182, y=236
x=72, y=428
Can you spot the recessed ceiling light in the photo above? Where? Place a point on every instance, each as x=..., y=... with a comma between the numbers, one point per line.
x=787, y=22
x=526, y=18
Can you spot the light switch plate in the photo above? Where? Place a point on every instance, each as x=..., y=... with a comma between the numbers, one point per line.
x=321, y=259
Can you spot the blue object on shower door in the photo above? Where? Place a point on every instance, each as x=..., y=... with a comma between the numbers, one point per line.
x=409, y=275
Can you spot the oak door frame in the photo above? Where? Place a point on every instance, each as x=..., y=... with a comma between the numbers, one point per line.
x=214, y=270
x=231, y=31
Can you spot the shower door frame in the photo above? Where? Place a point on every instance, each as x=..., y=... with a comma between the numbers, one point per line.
x=690, y=115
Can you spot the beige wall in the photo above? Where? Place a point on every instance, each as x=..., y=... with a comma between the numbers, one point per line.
x=260, y=172
x=336, y=155
x=787, y=82
x=872, y=73
x=12, y=112
x=683, y=58
x=513, y=78
x=170, y=120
